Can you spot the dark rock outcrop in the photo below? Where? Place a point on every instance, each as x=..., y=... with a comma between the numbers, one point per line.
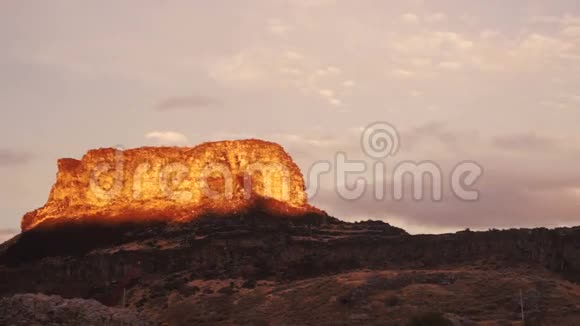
x=40, y=309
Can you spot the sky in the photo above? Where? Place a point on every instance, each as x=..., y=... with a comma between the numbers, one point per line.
x=493, y=82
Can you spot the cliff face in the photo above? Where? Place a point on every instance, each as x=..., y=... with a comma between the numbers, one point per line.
x=174, y=183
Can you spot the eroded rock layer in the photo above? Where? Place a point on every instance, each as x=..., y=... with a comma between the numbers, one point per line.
x=174, y=182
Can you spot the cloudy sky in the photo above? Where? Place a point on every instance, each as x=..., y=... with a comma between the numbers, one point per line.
x=494, y=82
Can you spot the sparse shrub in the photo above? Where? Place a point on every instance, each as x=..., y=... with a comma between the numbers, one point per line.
x=156, y=291
x=354, y=297
x=249, y=284
x=173, y=284
x=392, y=301
x=187, y=291
x=141, y=302
x=429, y=319
x=228, y=290
x=152, y=244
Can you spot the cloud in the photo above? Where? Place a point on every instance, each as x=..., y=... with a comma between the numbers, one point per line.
x=438, y=133
x=436, y=18
x=571, y=31
x=410, y=18
x=330, y=96
x=248, y=66
x=187, y=102
x=167, y=137
x=9, y=157
x=348, y=83
x=330, y=70
x=415, y=93
x=450, y=65
x=318, y=141
x=488, y=34
x=311, y=3
x=335, y=101
x=283, y=69
x=542, y=44
x=326, y=93
x=525, y=142
x=402, y=73
x=431, y=43
x=277, y=27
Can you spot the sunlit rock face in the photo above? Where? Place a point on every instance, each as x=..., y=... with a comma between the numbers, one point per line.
x=175, y=183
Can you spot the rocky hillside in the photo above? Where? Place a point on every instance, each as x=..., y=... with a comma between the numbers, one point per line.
x=255, y=269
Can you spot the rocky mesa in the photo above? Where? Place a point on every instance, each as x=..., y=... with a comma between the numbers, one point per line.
x=176, y=183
